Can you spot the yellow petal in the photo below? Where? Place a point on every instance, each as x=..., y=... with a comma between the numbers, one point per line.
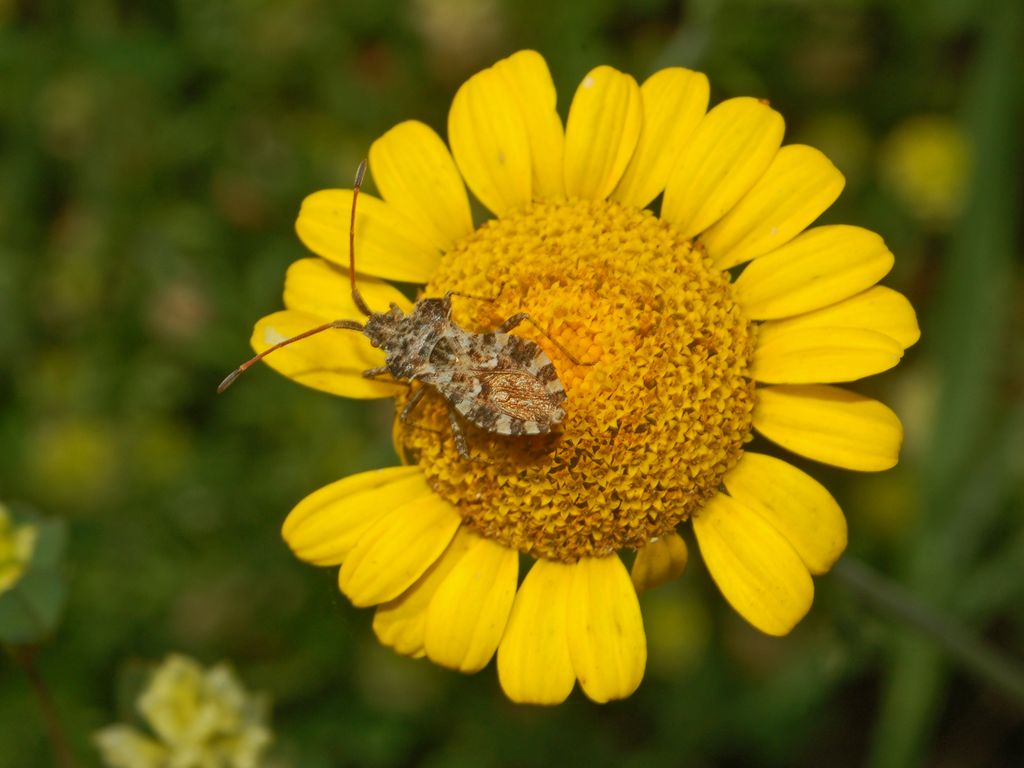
x=124, y=745
x=332, y=361
x=797, y=506
x=401, y=624
x=878, y=309
x=830, y=425
x=416, y=174
x=324, y=526
x=605, y=629
x=820, y=267
x=725, y=156
x=396, y=550
x=467, y=616
x=534, y=666
x=317, y=287
x=798, y=186
x=753, y=565
x=674, y=101
x=601, y=133
x=661, y=560
x=527, y=77
x=813, y=355
x=490, y=142
x=388, y=244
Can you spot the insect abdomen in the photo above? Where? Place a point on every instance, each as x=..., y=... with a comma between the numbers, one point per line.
x=518, y=393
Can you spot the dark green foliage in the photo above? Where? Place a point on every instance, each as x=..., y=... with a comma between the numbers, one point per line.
x=31, y=608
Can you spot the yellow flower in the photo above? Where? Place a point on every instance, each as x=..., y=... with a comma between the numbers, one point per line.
x=925, y=162
x=681, y=363
x=17, y=543
x=202, y=719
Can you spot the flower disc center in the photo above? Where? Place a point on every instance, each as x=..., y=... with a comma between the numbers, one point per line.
x=658, y=408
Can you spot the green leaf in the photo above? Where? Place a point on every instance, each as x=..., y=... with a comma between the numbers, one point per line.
x=31, y=609
x=50, y=542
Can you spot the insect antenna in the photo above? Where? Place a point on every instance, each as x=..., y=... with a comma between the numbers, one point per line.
x=351, y=325
x=357, y=298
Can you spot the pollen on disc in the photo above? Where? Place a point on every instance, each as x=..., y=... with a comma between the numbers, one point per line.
x=658, y=408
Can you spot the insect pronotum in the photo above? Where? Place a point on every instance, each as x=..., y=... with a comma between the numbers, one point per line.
x=503, y=384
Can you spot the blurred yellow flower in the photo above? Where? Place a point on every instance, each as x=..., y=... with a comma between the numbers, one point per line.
x=925, y=162
x=74, y=461
x=458, y=33
x=687, y=362
x=17, y=542
x=201, y=718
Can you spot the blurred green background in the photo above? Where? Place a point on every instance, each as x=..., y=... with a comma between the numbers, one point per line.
x=154, y=155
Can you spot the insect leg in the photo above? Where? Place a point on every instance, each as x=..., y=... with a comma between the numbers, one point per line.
x=457, y=435
x=495, y=297
x=519, y=317
x=376, y=373
x=413, y=401
x=403, y=450
x=407, y=410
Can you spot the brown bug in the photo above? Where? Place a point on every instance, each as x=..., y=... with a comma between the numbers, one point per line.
x=501, y=383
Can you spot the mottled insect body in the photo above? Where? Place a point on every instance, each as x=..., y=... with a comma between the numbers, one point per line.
x=510, y=386
x=503, y=384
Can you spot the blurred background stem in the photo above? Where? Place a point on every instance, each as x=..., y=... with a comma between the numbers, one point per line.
x=25, y=657
x=994, y=668
x=967, y=339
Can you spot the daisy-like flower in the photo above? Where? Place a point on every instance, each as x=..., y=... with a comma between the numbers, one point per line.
x=17, y=543
x=925, y=163
x=201, y=718
x=684, y=361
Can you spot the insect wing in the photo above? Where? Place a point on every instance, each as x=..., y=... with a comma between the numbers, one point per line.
x=517, y=394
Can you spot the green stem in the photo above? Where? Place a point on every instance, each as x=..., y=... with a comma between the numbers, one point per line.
x=25, y=658
x=988, y=664
x=33, y=615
